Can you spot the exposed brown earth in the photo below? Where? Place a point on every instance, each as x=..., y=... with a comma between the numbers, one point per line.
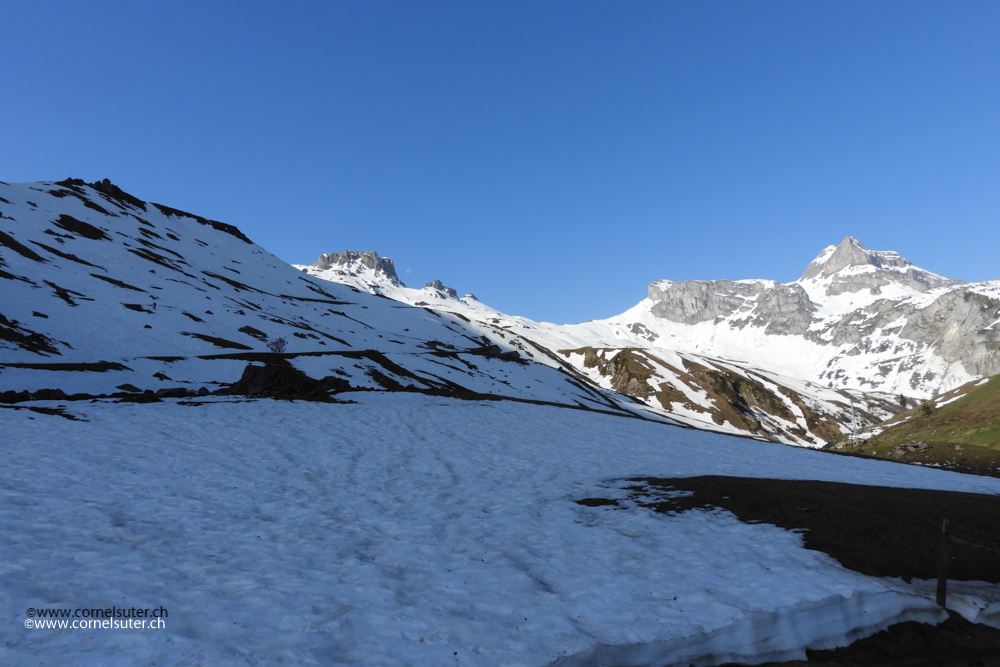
x=741, y=399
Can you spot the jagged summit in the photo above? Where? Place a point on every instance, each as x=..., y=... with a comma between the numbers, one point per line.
x=441, y=287
x=872, y=317
x=352, y=262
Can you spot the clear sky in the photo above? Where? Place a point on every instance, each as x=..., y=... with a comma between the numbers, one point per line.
x=551, y=157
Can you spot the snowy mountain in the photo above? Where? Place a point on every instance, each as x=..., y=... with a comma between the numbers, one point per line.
x=782, y=361
x=856, y=318
x=106, y=294
x=390, y=520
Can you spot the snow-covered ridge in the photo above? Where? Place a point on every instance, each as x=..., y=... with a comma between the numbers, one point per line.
x=857, y=319
x=92, y=274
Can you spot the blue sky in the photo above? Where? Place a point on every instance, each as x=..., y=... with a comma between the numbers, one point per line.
x=551, y=157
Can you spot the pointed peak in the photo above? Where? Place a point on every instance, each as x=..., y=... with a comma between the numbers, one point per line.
x=852, y=267
x=439, y=286
x=850, y=252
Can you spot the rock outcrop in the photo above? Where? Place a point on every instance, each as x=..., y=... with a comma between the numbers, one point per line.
x=851, y=267
x=779, y=309
x=441, y=287
x=284, y=381
x=350, y=261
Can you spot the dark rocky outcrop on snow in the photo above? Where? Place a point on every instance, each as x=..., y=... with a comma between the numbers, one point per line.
x=282, y=380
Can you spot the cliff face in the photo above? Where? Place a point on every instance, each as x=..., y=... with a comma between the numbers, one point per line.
x=777, y=308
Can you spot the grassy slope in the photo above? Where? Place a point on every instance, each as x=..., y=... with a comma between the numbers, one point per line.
x=972, y=420
x=964, y=434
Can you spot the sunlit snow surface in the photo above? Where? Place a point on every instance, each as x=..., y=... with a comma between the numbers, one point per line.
x=408, y=530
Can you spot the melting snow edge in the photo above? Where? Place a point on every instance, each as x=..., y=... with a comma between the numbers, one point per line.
x=781, y=635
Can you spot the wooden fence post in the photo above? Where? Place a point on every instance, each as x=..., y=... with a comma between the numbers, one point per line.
x=942, y=582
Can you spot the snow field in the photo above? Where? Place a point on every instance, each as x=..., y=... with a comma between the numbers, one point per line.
x=404, y=530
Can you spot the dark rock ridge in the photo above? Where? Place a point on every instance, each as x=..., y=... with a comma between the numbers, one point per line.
x=74, y=187
x=349, y=259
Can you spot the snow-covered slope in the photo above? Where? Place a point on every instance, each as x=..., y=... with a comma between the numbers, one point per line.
x=101, y=291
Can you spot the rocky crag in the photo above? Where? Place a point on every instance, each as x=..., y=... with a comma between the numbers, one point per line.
x=365, y=264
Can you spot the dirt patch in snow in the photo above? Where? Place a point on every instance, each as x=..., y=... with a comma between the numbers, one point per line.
x=94, y=367
x=118, y=283
x=65, y=294
x=166, y=263
x=84, y=229
x=14, y=332
x=877, y=531
x=66, y=255
x=59, y=412
x=19, y=248
x=218, y=342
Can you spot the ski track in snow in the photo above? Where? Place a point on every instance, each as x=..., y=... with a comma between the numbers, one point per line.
x=406, y=530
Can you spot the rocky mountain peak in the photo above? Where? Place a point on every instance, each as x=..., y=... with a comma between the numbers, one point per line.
x=353, y=261
x=851, y=252
x=851, y=267
x=441, y=287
